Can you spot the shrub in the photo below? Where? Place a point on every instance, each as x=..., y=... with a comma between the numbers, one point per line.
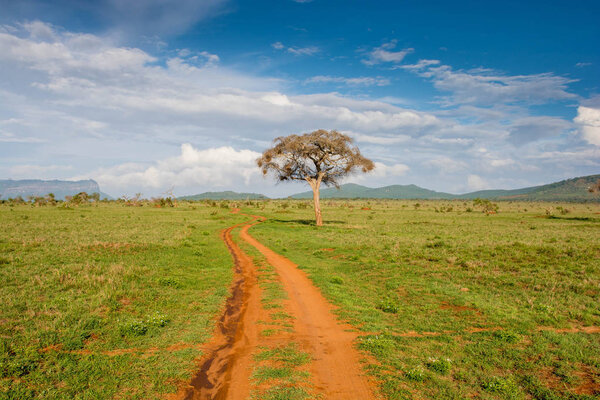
x=486, y=206
x=337, y=280
x=415, y=374
x=501, y=385
x=134, y=328
x=169, y=282
x=440, y=365
x=388, y=306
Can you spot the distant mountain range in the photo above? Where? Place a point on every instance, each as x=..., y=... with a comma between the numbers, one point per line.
x=568, y=190
x=227, y=195
x=35, y=187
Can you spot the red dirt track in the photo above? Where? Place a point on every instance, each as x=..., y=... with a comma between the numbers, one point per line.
x=225, y=368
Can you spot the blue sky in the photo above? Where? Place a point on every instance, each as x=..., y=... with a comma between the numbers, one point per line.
x=452, y=96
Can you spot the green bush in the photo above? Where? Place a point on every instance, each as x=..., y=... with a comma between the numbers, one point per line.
x=415, y=374
x=439, y=365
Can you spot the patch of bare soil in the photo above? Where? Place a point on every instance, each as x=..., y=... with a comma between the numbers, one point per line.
x=224, y=370
x=573, y=329
x=336, y=370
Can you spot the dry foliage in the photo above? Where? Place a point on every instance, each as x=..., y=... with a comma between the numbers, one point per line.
x=317, y=157
x=324, y=156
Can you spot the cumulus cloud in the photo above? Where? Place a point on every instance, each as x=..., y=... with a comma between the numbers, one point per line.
x=588, y=120
x=383, y=173
x=476, y=182
x=83, y=99
x=207, y=169
x=384, y=54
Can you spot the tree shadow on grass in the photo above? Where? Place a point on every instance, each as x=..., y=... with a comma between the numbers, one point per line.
x=310, y=222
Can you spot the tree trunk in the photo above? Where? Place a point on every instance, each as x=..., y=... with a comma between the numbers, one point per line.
x=318, y=218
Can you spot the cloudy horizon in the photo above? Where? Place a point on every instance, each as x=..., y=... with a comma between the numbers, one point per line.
x=187, y=94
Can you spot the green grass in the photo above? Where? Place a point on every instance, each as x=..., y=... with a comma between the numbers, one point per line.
x=452, y=300
x=79, y=283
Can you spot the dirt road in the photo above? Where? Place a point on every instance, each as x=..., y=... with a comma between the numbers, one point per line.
x=336, y=372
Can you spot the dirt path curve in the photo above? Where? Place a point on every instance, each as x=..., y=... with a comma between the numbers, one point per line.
x=226, y=366
x=336, y=369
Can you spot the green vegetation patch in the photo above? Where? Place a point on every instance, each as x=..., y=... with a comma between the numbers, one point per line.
x=86, y=290
x=503, y=290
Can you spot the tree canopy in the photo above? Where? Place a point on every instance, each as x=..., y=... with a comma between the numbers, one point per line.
x=317, y=157
x=322, y=155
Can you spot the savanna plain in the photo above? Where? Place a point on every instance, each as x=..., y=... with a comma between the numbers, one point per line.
x=447, y=301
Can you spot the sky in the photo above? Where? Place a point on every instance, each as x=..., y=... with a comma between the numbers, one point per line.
x=148, y=96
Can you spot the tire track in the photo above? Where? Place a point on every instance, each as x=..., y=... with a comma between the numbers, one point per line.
x=225, y=368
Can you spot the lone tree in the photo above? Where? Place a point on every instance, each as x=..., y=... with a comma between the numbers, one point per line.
x=318, y=157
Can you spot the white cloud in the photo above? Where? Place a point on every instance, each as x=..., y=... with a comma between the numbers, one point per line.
x=382, y=170
x=420, y=65
x=304, y=51
x=297, y=51
x=483, y=86
x=475, y=182
x=447, y=164
x=583, y=64
x=28, y=171
x=383, y=54
x=382, y=140
x=588, y=120
x=212, y=168
x=83, y=99
x=497, y=163
x=529, y=129
x=358, y=81
x=8, y=137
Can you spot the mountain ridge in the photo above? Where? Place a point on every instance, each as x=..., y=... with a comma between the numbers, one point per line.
x=224, y=195
x=573, y=189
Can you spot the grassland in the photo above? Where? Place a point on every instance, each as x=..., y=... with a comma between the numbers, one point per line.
x=111, y=301
x=107, y=301
x=455, y=303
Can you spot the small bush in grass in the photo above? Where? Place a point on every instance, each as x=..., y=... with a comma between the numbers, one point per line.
x=157, y=319
x=439, y=365
x=140, y=328
x=337, y=280
x=388, y=306
x=507, y=336
x=169, y=282
x=502, y=385
x=134, y=328
x=415, y=374
x=378, y=344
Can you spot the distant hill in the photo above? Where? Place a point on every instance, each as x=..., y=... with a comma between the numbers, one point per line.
x=227, y=195
x=353, y=191
x=35, y=187
x=574, y=189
